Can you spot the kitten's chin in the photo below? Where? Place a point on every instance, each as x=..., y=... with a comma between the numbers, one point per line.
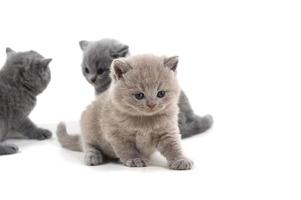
x=102, y=85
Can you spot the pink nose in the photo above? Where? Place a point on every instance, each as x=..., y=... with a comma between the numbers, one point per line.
x=151, y=105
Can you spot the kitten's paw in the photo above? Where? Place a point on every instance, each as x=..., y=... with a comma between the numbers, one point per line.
x=9, y=149
x=137, y=162
x=205, y=122
x=42, y=134
x=93, y=158
x=180, y=164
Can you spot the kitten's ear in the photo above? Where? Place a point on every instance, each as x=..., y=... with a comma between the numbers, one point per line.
x=120, y=67
x=45, y=62
x=171, y=62
x=9, y=51
x=120, y=51
x=83, y=44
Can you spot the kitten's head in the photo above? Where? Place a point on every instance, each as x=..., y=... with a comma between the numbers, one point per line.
x=97, y=59
x=28, y=68
x=145, y=84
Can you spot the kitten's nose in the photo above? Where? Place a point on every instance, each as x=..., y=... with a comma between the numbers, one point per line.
x=151, y=105
x=93, y=79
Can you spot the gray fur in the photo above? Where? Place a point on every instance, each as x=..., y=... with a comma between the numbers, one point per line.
x=100, y=54
x=189, y=123
x=97, y=59
x=23, y=77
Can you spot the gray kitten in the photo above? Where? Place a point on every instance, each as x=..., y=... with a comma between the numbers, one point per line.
x=97, y=59
x=23, y=77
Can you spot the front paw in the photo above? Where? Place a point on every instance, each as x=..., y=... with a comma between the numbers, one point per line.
x=180, y=164
x=41, y=134
x=137, y=162
x=8, y=149
x=93, y=158
x=205, y=122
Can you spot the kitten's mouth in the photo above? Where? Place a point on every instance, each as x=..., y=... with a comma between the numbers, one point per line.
x=153, y=111
x=147, y=112
x=101, y=83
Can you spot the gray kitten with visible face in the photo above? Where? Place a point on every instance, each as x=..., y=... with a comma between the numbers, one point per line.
x=97, y=58
x=23, y=76
x=137, y=115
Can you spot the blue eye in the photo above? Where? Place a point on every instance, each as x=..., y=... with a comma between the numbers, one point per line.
x=161, y=94
x=139, y=95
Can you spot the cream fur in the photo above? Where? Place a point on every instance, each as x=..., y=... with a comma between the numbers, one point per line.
x=118, y=125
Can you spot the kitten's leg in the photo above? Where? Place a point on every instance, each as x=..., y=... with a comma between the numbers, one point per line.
x=169, y=146
x=195, y=125
x=6, y=149
x=128, y=153
x=189, y=123
x=93, y=156
x=30, y=130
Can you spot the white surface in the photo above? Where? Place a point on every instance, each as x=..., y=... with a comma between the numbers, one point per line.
x=239, y=61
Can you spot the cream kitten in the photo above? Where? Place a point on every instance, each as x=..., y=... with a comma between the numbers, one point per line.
x=134, y=117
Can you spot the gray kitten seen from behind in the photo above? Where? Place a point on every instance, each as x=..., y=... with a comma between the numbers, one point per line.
x=24, y=76
x=97, y=59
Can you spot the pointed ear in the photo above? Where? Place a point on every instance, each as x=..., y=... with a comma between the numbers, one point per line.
x=45, y=62
x=121, y=51
x=9, y=51
x=120, y=67
x=83, y=44
x=171, y=62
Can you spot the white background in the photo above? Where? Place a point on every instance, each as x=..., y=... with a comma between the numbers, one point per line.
x=239, y=61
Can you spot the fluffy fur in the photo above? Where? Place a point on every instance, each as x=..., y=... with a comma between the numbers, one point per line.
x=97, y=59
x=136, y=116
x=24, y=76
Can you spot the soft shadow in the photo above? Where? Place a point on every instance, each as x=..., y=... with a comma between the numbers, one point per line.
x=157, y=163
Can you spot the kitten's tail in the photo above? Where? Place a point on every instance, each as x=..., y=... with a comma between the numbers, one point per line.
x=71, y=142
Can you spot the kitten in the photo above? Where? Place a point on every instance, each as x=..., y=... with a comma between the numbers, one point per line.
x=134, y=117
x=24, y=76
x=97, y=58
